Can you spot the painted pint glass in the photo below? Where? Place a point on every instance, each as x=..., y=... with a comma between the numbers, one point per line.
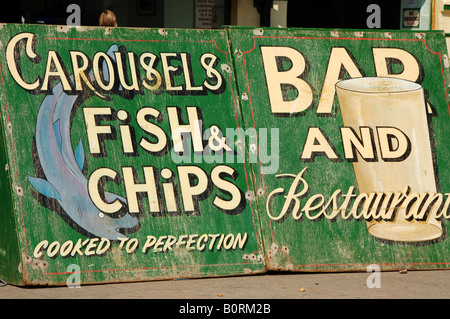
x=394, y=113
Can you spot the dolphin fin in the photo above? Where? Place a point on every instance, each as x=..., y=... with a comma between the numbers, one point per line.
x=57, y=131
x=110, y=197
x=113, y=48
x=79, y=155
x=44, y=187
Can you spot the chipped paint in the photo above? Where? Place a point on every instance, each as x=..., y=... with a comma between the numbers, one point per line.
x=334, y=34
x=187, y=237
x=225, y=67
x=258, y=32
x=202, y=215
x=64, y=28
x=301, y=103
x=446, y=61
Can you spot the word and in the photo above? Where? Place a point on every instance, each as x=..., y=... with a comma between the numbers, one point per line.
x=394, y=144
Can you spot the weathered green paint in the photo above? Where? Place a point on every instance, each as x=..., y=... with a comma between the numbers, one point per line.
x=294, y=240
x=9, y=249
x=235, y=212
x=213, y=241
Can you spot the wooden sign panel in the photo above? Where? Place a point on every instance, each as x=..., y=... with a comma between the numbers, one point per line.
x=143, y=154
x=122, y=157
x=350, y=134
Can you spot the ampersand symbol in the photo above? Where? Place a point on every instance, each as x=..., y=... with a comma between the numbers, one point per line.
x=221, y=141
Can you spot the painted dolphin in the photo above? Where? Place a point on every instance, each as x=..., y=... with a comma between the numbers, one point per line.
x=62, y=167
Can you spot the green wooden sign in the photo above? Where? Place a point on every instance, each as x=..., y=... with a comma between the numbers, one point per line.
x=143, y=154
x=121, y=157
x=350, y=129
